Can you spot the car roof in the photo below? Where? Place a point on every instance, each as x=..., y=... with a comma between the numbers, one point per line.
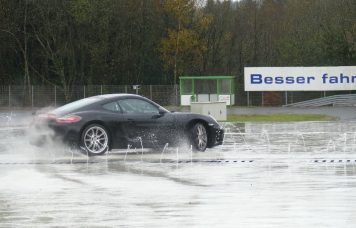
x=116, y=95
x=98, y=100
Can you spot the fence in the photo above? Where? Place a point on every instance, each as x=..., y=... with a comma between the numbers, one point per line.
x=43, y=96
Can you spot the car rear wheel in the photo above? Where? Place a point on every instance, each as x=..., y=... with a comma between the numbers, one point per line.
x=95, y=140
x=199, y=137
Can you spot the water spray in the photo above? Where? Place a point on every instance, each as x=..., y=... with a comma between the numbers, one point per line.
x=164, y=148
x=141, y=148
x=128, y=148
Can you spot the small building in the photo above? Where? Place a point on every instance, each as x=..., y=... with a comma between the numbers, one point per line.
x=207, y=89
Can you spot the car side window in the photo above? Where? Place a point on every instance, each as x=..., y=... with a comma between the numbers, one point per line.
x=112, y=106
x=137, y=106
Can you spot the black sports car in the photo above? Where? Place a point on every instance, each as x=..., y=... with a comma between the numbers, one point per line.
x=100, y=123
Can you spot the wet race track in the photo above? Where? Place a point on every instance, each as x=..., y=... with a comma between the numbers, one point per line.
x=265, y=175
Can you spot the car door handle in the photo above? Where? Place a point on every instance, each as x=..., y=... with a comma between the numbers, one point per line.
x=130, y=120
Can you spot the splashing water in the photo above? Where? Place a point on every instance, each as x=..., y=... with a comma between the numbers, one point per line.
x=345, y=141
x=268, y=143
x=141, y=148
x=127, y=150
x=72, y=157
x=164, y=148
x=303, y=140
x=8, y=117
x=107, y=155
x=331, y=143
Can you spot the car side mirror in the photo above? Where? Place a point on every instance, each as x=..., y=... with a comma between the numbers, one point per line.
x=161, y=112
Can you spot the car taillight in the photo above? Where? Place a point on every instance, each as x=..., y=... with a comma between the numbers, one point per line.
x=68, y=119
x=49, y=116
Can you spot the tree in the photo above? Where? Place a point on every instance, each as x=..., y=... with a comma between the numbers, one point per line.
x=69, y=42
x=16, y=26
x=56, y=35
x=182, y=49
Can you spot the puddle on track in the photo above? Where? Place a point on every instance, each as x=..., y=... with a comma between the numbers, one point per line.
x=265, y=175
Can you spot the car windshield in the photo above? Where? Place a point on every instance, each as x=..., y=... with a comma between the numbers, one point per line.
x=68, y=108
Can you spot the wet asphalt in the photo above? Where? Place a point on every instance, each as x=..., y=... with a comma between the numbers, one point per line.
x=265, y=175
x=298, y=174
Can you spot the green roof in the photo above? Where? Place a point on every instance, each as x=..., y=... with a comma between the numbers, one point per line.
x=206, y=77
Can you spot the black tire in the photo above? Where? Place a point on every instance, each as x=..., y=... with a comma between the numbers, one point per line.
x=199, y=137
x=95, y=140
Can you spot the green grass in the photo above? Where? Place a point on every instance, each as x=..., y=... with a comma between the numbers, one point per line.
x=278, y=117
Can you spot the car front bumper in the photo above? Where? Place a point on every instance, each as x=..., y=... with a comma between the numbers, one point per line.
x=216, y=136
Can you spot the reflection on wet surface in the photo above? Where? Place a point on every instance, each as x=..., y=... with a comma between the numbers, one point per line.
x=265, y=175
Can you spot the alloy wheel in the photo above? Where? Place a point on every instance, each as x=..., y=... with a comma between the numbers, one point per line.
x=201, y=137
x=96, y=140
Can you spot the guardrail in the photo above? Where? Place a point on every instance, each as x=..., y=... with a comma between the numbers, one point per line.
x=335, y=100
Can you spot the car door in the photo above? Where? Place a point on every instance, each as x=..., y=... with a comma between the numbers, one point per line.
x=140, y=120
x=117, y=124
x=166, y=130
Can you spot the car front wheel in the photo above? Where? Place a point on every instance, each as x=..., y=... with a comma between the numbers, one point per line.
x=95, y=140
x=199, y=137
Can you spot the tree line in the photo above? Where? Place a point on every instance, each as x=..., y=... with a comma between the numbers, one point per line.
x=70, y=42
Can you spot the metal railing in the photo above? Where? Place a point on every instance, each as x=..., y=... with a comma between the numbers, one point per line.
x=167, y=95
x=289, y=97
x=43, y=96
x=335, y=100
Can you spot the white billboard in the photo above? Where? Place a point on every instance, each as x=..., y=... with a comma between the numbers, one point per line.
x=300, y=78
